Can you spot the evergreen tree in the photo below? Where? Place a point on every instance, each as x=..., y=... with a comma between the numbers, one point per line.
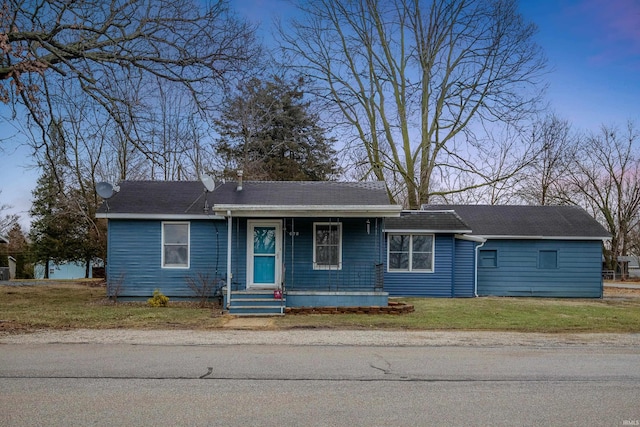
x=63, y=227
x=18, y=248
x=49, y=227
x=268, y=130
x=4, y=255
x=61, y=230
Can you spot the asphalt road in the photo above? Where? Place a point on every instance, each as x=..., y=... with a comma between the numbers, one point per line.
x=323, y=385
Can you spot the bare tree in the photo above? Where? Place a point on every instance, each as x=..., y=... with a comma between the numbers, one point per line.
x=607, y=179
x=51, y=48
x=546, y=179
x=175, y=133
x=6, y=220
x=414, y=78
x=504, y=157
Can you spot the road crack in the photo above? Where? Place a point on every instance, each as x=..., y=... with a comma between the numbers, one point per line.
x=386, y=369
x=209, y=371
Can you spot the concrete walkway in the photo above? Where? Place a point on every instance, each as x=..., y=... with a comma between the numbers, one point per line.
x=249, y=323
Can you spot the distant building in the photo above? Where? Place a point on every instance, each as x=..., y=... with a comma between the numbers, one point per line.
x=67, y=270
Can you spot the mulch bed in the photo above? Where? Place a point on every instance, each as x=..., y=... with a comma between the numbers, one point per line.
x=393, y=308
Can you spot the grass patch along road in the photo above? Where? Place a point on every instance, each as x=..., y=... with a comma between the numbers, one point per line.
x=494, y=314
x=70, y=306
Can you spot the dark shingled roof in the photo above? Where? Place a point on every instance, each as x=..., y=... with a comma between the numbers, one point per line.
x=527, y=221
x=187, y=197
x=443, y=220
x=156, y=197
x=296, y=193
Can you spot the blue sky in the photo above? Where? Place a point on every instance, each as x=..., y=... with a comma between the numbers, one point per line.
x=593, y=48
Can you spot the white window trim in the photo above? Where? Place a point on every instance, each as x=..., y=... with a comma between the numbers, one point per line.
x=411, y=269
x=162, y=245
x=328, y=267
x=251, y=224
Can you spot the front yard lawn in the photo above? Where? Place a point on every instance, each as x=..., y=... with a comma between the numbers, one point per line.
x=69, y=306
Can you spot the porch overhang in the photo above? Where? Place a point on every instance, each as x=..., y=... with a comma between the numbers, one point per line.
x=308, y=211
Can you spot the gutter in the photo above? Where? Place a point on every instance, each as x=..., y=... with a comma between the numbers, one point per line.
x=263, y=211
x=525, y=237
x=168, y=217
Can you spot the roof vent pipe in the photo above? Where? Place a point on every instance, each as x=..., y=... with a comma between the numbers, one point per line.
x=239, y=187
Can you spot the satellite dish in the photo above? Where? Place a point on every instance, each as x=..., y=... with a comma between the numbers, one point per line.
x=208, y=182
x=105, y=190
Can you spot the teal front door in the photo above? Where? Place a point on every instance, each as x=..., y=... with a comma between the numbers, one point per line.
x=264, y=242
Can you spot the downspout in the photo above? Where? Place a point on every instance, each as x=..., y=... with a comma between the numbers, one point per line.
x=475, y=273
x=229, y=274
x=453, y=266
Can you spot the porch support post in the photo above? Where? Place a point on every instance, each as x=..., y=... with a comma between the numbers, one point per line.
x=229, y=229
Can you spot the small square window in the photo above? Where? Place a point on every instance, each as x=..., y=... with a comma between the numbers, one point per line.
x=548, y=259
x=488, y=258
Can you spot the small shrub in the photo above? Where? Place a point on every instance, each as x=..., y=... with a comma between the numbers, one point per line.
x=115, y=287
x=158, y=299
x=204, y=286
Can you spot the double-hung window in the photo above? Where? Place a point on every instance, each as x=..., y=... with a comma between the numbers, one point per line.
x=175, y=245
x=327, y=246
x=410, y=252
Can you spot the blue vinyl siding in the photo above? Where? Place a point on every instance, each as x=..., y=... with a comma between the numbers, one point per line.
x=519, y=271
x=135, y=257
x=464, y=270
x=360, y=253
x=238, y=253
x=438, y=283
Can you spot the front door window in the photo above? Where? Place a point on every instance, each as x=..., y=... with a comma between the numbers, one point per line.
x=263, y=252
x=264, y=255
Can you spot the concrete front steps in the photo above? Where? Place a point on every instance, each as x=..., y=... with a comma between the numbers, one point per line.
x=256, y=303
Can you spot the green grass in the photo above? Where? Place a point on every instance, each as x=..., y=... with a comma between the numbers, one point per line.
x=68, y=306
x=494, y=314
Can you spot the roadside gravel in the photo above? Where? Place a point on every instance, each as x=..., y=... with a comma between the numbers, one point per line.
x=322, y=337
